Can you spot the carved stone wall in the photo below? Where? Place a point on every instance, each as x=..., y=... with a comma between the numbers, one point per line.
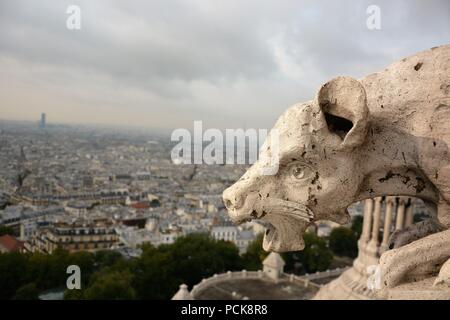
x=382, y=216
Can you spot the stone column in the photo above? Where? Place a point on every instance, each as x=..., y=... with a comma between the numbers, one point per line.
x=387, y=223
x=409, y=220
x=400, y=213
x=368, y=206
x=376, y=223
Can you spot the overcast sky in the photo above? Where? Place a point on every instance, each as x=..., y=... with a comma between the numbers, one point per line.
x=164, y=64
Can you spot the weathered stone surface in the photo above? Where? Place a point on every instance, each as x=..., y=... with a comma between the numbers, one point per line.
x=443, y=278
x=385, y=134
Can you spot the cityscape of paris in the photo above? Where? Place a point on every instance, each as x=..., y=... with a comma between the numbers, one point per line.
x=123, y=123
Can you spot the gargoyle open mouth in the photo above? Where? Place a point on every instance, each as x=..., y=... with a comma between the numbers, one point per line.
x=286, y=222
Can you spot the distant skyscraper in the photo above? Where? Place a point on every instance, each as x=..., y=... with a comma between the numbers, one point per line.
x=42, y=123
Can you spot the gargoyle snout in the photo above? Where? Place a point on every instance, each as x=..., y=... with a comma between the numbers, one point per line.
x=240, y=198
x=232, y=199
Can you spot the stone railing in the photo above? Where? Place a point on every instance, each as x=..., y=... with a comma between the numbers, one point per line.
x=325, y=274
x=205, y=283
x=300, y=280
x=304, y=280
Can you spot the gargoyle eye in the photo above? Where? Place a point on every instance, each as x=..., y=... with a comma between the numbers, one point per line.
x=299, y=171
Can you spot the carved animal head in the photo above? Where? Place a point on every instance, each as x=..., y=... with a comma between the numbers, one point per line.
x=318, y=175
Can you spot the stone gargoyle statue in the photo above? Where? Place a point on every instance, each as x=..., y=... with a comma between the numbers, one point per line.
x=385, y=134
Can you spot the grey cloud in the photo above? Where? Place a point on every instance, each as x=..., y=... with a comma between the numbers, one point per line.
x=337, y=40
x=173, y=62
x=156, y=41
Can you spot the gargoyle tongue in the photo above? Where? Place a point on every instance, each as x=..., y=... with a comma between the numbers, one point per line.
x=284, y=234
x=288, y=221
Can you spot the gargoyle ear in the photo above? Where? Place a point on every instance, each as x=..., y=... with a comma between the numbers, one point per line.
x=344, y=105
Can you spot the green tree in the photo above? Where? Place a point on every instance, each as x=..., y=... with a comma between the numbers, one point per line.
x=105, y=258
x=343, y=242
x=13, y=274
x=197, y=256
x=159, y=271
x=113, y=285
x=316, y=256
x=86, y=261
x=27, y=292
x=59, y=260
x=37, y=269
x=153, y=274
x=357, y=223
x=48, y=270
x=255, y=255
x=6, y=230
x=107, y=275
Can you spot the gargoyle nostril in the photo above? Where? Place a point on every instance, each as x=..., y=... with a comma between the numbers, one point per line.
x=233, y=204
x=228, y=204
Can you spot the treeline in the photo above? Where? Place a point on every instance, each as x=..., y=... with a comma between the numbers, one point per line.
x=159, y=271
x=156, y=274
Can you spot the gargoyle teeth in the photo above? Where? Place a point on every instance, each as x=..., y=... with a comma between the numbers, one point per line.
x=289, y=209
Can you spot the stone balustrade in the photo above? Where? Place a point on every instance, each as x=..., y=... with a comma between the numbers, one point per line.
x=324, y=274
x=304, y=280
x=205, y=283
x=382, y=216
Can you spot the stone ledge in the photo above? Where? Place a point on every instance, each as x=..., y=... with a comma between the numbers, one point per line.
x=421, y=290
